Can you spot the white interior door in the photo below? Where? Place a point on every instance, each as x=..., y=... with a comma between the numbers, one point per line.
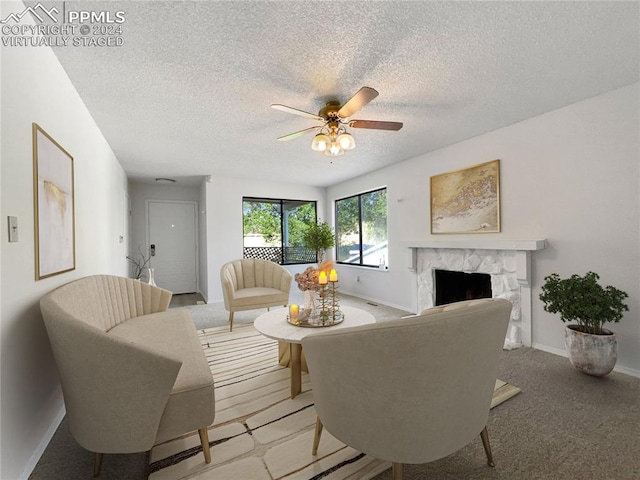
x=172, y=235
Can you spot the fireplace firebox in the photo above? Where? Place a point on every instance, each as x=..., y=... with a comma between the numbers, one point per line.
x=453, y=286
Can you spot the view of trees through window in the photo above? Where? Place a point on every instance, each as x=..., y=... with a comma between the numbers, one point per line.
x=361, y=229
x=273, y=229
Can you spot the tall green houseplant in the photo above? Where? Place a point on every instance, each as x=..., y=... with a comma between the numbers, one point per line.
x=319, y=237
x=584, y=301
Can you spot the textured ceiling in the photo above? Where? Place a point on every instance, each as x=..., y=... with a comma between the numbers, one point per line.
x=189, y=92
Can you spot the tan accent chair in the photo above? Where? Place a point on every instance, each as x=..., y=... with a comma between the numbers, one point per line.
x=133, y=373
x=412, y=390
x=249, y=284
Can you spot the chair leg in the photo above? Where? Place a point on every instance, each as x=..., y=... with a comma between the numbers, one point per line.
x=316, y=437
x=484, y=435
x=97, y=465
x=204, y=439
x=396, y=471
x=231, y=321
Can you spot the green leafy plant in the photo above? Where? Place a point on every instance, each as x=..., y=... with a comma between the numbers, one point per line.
x=583, y=300
x=319, y=237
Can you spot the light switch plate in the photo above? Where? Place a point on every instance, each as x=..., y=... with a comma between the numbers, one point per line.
x=13, y=229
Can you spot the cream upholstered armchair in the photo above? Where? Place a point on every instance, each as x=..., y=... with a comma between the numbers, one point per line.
x=249, y=284
x=412, y=390
x=133, y=373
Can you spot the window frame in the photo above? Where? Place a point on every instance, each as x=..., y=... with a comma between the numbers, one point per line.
x=282, y=202
x=360, y=229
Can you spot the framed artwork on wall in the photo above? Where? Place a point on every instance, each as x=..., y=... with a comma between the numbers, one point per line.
x=53, y=192
x=466, y=200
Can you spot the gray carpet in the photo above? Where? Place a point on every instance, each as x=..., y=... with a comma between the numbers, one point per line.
x=564, y=425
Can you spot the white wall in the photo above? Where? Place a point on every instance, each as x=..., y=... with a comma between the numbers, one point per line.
x=224, y=220
x=570, y=175
x=34, y=88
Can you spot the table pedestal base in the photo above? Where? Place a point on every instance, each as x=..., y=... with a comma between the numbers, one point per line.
x=284, y=356
x=291, y=355
x=296, y=368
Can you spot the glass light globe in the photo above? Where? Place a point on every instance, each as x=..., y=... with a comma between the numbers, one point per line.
x=346, y=141
x=334, y=150
x=320, y=142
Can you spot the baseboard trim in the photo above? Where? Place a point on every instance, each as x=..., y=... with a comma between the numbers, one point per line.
x=627, y=371
x=545, y=348
x=557, y=351
x=44, y=442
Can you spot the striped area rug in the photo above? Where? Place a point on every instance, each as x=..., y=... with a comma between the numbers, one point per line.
x=259, y=432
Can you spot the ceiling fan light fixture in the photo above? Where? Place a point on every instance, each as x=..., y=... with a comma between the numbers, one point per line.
x=333, y=138
x=320, y=142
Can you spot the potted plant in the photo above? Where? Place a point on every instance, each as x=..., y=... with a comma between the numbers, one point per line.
x=138, y=264
x=591, y=348
x=319, y=237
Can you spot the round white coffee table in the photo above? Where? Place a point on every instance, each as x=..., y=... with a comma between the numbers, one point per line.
x=274, y=324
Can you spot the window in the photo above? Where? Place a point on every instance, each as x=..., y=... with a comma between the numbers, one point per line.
x=273, y=229
x=361, y=229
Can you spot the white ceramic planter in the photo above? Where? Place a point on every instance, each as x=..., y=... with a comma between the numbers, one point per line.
x=592, y=354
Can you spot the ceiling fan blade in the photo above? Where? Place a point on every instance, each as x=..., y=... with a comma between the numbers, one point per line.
x=359, y=100
x=295, y=111
x=297, y=134
x=376, y=125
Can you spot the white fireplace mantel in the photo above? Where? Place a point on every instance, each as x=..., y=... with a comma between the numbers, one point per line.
x=514, y=256
x=482, y=243
x=519, y=245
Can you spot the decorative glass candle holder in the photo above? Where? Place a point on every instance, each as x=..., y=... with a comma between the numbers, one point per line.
x=328, y=307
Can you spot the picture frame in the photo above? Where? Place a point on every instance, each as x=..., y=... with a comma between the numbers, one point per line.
x=466, y=200
x=54, y=206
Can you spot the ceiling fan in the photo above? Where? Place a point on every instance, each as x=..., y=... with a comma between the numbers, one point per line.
x=333, y=138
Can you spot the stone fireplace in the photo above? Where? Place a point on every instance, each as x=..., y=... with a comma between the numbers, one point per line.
x=508, y=262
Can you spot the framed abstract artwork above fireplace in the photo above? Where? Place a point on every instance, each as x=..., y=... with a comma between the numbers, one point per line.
x=466, y=200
